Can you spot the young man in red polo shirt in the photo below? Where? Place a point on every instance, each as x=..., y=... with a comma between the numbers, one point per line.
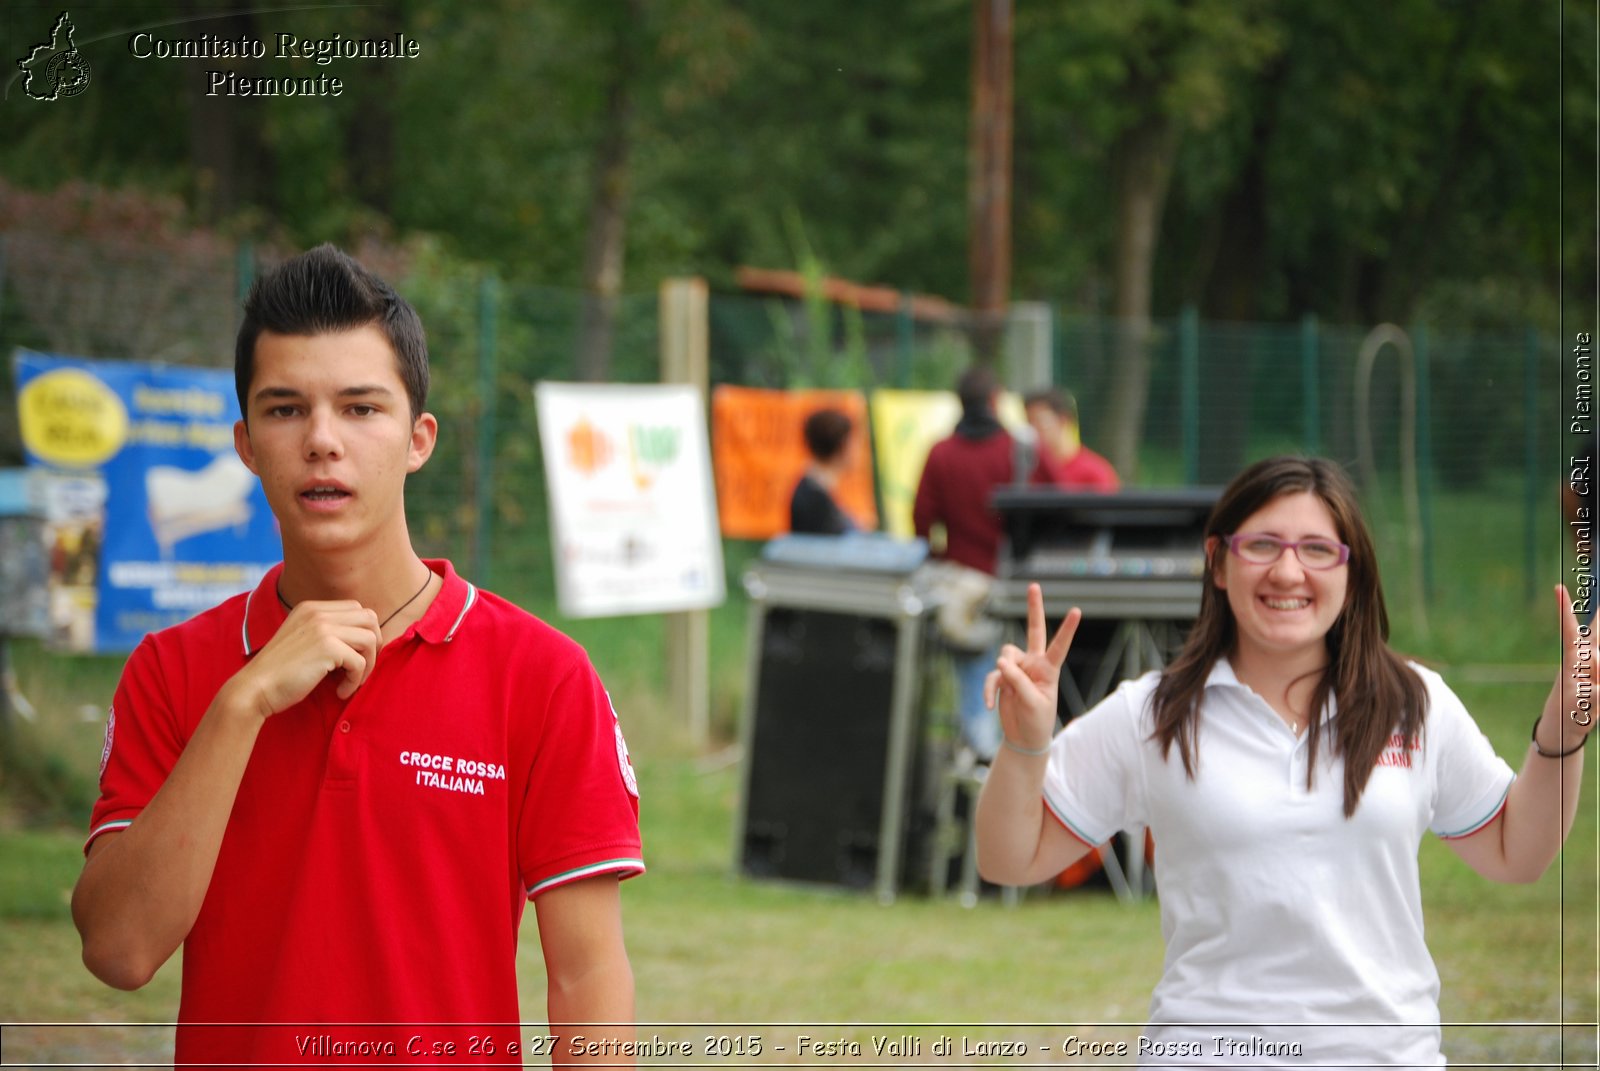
x=338, y=791
x=1063, y=460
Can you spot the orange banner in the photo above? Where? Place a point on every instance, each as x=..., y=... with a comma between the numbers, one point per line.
x=759, y=453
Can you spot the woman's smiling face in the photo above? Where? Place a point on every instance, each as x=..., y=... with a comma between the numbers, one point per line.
x=1284, y=608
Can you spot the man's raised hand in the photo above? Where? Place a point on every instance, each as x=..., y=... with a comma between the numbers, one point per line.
x=317, y=639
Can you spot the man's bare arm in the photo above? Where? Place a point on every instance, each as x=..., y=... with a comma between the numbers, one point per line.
x=590, y=979
x=141, y=889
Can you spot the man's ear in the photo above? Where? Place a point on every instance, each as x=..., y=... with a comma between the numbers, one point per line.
x=242, y=446
x=424, y=436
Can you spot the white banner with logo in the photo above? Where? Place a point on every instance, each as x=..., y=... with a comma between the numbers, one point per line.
x=633, y=513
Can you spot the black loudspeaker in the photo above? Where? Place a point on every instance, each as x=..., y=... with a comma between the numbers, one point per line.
x=819, y=746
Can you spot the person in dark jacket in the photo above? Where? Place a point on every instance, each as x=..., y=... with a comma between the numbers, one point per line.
x=953, y=501
x=812, y=509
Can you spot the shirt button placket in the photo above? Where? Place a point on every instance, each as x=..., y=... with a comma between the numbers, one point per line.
x=342, y=750
x=1297, y=767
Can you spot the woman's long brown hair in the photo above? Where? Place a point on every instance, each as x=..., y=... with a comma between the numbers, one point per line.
x=1377, y=694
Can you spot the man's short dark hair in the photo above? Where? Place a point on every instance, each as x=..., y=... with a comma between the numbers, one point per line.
x=976, y=388
x=1060, y=402
x=324, y=290
x=826, y=431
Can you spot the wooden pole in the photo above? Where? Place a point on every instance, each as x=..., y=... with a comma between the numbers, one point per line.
x=989, y=175
x=685, y=358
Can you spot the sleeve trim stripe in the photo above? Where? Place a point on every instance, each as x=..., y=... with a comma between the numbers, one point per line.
x=627, y=867
x=1493, y=814
x=107, y=827
x=1066, y=823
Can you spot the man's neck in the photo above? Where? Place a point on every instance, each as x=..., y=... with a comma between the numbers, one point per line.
x=824, y=475
x=378, y=579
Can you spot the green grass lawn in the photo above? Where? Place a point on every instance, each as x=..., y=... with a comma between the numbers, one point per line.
x=710, y=947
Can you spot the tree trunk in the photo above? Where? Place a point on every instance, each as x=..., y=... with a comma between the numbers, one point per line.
x=369, y=128
x=232, y=165
x=1142, y=171
x=608, y=210
x=1232, y=295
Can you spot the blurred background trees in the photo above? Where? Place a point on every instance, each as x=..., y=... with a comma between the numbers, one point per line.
x=1255, y=160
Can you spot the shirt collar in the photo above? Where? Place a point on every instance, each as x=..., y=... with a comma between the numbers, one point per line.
x=1223, y=676
x=264, y=613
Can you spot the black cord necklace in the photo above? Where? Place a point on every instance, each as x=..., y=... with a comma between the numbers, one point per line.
x=288, y=606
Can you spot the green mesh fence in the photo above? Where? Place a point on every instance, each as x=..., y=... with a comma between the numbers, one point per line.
x=1219, y=394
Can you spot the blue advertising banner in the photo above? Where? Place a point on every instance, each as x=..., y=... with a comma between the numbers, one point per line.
x=153, y=517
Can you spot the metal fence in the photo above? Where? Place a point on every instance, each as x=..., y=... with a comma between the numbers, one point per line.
x=1487, y=408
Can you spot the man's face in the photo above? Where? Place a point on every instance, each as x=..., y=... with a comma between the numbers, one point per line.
x=1046, y=425
x=331, y=436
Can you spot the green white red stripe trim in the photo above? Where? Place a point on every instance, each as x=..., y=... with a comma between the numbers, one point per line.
x=627, y=867
x=1470, y=830
x=107, y=827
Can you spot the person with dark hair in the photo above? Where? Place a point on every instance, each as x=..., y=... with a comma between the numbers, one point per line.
x=812, y=508
x=954, y=512
x=338, y=791
x=1063, y=461
x=1288, y=764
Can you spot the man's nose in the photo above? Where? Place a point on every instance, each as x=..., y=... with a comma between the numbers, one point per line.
x=322, y=438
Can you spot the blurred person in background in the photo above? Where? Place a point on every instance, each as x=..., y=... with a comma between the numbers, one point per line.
x=830, y=440
x=954, y=512
x=1063, y=461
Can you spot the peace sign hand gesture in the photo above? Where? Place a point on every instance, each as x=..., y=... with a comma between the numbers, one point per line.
x=1025, y=682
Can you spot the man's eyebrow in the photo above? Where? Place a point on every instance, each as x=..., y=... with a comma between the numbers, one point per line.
x=360, y=390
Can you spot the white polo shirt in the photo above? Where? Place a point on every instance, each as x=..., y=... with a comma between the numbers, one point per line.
x=1286, y=924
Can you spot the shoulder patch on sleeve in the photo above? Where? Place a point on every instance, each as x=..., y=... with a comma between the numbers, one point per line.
x=624, y=760
x=105, y=748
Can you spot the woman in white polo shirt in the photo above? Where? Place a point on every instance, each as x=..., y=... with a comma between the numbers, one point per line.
x=1288, y=763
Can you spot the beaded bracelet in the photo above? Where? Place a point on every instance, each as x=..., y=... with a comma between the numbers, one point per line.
x=1554, y=754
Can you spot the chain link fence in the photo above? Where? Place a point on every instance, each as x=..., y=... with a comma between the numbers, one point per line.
x=1487, y=408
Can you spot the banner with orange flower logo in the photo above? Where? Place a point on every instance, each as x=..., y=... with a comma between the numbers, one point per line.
x=633, y=517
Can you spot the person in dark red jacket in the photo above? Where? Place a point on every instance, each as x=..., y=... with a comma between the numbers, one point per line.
x=960, y=476
x=953, y=511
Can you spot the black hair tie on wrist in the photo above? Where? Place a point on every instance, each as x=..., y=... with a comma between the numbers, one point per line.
x=1554, y=754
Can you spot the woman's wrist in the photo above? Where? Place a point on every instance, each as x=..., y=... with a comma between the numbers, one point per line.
x=1021, y=749
x=1571, y=738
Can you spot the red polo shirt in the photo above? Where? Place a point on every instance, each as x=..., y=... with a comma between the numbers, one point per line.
x=380, y=850
x=1085, y=469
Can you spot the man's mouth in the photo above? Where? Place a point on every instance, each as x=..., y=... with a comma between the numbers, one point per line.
x=324, y=494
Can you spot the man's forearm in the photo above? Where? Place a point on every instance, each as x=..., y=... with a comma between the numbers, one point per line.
x=599, y=1008
x=141, y=889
